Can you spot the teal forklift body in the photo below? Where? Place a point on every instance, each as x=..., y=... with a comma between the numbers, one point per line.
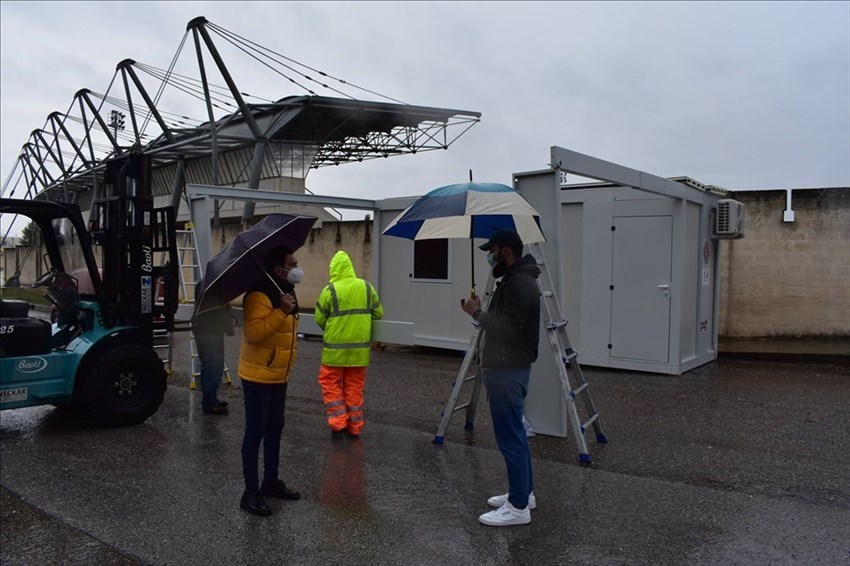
x=28, y=381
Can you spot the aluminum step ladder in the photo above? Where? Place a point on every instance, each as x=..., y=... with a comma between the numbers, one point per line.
x=162, y=338
x=573, y=384
x=572, y=380
x=186, y=246
x=470, y=373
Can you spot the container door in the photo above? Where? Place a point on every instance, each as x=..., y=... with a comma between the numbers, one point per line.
x=640, y=288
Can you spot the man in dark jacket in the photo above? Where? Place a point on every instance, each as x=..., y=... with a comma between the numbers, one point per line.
x=508, y=346
x=209, y=329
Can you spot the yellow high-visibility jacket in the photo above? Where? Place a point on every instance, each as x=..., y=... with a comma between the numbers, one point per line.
x=269, y=343
x=345, y=310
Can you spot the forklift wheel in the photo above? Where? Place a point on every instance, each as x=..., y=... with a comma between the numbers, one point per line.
x=124, y=385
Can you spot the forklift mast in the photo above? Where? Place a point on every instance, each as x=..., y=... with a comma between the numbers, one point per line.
x=139, y=250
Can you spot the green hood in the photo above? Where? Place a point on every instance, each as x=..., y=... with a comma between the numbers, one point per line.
x=341, y=267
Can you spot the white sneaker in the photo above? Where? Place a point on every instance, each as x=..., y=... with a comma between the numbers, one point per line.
x=505, y=516
x=499, y=500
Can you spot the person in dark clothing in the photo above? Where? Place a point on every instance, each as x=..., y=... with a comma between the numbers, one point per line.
x=508, y=346
x=209, y=329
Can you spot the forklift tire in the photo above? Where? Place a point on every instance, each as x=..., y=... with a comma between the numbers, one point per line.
x=123, y=385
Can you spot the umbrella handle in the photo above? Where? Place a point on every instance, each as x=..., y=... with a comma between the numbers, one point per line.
x=269, y=275
x=273, y=281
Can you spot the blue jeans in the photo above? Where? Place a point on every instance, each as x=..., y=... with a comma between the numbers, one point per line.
x=211, y=357
x=506, y=390
x=264, y=420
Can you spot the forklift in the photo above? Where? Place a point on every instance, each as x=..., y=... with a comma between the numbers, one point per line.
x=112, y=284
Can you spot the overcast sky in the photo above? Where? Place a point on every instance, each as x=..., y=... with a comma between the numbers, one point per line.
x=736, y=94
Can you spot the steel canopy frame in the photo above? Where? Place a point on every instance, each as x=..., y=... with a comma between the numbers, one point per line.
x=201, y=207
x=255, y=141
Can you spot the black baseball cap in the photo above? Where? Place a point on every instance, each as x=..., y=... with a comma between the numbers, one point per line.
x=504, y=238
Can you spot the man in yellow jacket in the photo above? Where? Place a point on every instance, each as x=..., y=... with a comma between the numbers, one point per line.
x=266, y=356
x=345, y=311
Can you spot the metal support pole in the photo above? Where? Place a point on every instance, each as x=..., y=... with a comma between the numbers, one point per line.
x=179, y=185
x=254, y=180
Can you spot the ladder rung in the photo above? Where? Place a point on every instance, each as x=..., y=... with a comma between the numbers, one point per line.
x=555, y=325
x=589, y=422
x=459, y=407
x=578, y=390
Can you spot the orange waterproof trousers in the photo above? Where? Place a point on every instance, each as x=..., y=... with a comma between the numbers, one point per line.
x=342, y=394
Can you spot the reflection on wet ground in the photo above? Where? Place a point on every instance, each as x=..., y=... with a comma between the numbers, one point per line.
x=734, y=462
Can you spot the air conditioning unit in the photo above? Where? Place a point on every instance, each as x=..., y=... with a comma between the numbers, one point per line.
x=729, y=220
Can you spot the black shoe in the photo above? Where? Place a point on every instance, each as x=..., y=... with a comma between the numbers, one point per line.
x=337, y=434
x=352, y=435
x=253, y=503
x=219, y=408
x=279, y=490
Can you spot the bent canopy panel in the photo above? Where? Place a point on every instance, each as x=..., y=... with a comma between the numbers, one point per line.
x=243, y=138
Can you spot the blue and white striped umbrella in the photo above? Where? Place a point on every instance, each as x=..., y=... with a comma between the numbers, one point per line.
x=468, y=210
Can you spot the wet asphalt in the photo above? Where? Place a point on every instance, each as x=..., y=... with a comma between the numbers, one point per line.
x=737, y=462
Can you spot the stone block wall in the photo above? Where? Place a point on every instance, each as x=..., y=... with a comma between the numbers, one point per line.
x=353, y=237
x=788, y=278
x=783, y=279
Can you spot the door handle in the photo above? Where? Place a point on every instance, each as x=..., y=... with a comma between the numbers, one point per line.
x=666, y=288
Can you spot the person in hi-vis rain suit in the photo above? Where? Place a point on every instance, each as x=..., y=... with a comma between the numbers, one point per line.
x=345, y=310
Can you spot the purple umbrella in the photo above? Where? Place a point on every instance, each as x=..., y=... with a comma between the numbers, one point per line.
x=237, y=267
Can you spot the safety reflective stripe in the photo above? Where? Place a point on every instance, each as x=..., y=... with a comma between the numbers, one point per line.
x=355, y=418
x=353, y=408
x=330, y=406
x=351, y=311
x=334, y=299
x=369, y=296
x=335, y=310
x=348, y=346
x=322, y=310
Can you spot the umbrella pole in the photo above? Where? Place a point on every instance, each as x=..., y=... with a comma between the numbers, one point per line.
x=472, y=262
x=269, y=275
x=471, y=247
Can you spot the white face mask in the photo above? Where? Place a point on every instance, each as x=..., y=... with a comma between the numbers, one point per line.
x=295, y=275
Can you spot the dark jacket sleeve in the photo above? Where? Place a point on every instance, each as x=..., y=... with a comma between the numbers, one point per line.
x=520, y=296
x=217, y=321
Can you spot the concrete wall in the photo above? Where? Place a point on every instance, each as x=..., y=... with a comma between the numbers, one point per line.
x=354, y=237
x=788, y=278
x=782, y=279
x=32, y=267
